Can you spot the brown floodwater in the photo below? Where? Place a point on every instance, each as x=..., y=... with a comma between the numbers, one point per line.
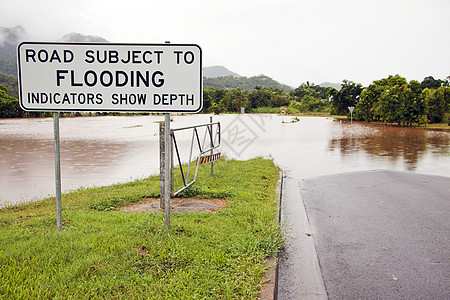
x=98, y=151
x=407, y=145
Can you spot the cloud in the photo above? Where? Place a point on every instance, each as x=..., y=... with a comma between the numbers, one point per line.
x=9, y=39
x=11, y=36
x=292, y=41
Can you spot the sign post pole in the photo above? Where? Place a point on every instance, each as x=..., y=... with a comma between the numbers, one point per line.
x=351, y=108
x=162, y=167
x=57, y=171
x=167, y=156
x=283, y=112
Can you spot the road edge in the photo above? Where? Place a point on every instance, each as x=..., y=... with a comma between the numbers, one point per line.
x=269, y=289
x=300, y=275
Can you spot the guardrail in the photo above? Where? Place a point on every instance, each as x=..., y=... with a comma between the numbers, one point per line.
x=211, y=136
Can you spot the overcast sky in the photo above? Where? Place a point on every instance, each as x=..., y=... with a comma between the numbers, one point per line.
x=292, y=41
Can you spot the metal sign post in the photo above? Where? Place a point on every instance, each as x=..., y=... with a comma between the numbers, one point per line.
x=351, y=108
x=57, y=171
x=283, y=112
x=167, y=170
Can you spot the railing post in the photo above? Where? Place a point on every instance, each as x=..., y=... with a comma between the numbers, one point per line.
x=171, y=164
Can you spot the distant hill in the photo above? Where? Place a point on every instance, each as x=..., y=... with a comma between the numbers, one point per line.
x=218, y=71
x=10, y=37
x=75, y=37
x=9, y=82
x=245, y=83
x=330, y=84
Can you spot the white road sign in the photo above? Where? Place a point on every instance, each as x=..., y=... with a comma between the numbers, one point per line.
x=110, y=77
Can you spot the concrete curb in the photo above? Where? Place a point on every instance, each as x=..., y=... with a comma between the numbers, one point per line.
x=269, y=290
x=300, y=275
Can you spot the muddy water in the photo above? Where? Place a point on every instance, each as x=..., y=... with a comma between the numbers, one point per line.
x=104, y=150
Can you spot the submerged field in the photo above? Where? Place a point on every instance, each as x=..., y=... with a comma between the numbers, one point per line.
x=106, y=253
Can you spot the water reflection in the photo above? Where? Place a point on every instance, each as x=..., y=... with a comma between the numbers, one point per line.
x=393, y=143
x=94, y=151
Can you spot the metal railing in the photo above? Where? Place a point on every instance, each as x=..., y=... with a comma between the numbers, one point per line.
x=211, y=136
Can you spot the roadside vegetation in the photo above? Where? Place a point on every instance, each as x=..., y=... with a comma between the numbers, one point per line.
x=391, y=100
x=107, y=254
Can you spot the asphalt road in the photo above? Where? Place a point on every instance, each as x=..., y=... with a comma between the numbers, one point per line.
x=376, y=235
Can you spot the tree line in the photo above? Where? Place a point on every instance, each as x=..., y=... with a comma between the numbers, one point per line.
x=390, y=100
x=395, y=100
x=216, y=100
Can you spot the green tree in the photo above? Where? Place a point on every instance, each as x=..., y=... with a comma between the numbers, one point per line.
x=311, y=97
x=279, y=100
x=310, y=104
x=207, y=99
x=305, y=89
x=446, y=82
x=392, y=104
x=260, y=97
x=438, y=103
x=367, y=107
x=374, y=104
x=347, y=96
x=267, y=97
x=9, y=106
x=213, y=97
x=402, y=102
x=10, y=83
x=431, y=83
x=233, y=100
x=415, y=104
x=309, y=89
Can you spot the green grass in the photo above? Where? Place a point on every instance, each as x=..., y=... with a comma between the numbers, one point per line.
x=105, y=254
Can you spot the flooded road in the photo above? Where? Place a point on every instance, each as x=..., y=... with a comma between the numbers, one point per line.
x=102, y=150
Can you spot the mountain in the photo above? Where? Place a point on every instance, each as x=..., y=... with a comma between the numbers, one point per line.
x=10, y=37
x=222, y=78
x=330, y=84
x=245, y=83
x=218, y=71
x=75, y=37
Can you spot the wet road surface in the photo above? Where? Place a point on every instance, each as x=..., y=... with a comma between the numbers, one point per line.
x=377, y=235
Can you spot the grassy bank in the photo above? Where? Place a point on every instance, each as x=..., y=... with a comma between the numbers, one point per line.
x=104, y=253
